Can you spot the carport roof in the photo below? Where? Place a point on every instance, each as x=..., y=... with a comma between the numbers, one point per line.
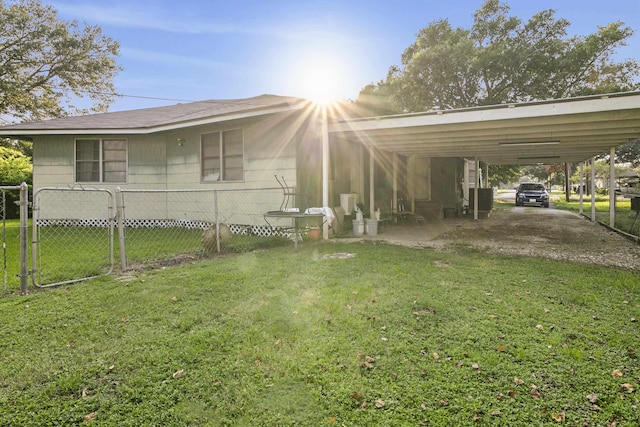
x=567, y=130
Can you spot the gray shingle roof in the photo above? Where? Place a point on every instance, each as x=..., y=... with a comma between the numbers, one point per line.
x=150, y=118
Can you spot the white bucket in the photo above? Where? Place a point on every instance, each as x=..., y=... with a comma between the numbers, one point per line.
x=372, y=227
x=358, y=228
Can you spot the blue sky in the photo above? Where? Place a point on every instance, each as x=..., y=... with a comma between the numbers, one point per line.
x=192, y=50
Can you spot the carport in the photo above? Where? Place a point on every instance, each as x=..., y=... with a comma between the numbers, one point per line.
x=571, y=130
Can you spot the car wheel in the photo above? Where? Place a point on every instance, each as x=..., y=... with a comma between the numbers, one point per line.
x=546, y=205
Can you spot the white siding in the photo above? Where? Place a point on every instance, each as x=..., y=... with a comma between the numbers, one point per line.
x=171, y=160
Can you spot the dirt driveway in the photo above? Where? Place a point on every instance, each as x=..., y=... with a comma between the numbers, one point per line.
x=527, y=231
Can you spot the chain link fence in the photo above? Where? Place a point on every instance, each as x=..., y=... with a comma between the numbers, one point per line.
x=79, y=233
x=160, y=225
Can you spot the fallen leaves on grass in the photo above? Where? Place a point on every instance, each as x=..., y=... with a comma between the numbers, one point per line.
x=178, y=374
x=627, y=387
x=559, y=417
x=379, y=403
x=534, y=392
x=518, y=381
x=90, y=417
x=540, y=327
x=368, y=361
x=593, y=398
x=617, y=373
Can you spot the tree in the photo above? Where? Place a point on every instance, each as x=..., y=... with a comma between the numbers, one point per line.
x=500, y=175
x=501, y=59
x=629, y=153
x=48, y=67
x=15, y=167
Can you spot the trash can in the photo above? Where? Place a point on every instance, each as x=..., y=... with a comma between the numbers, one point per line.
x=371, y=226
x=358, y=228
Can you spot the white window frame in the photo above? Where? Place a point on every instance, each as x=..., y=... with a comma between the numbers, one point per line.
x=222, y=171
x=100, y=160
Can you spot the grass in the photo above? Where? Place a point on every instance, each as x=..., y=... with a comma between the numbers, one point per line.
x=624, y=215
x=392, y=336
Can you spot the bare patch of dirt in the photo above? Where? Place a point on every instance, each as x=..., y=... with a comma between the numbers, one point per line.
x=547, y=233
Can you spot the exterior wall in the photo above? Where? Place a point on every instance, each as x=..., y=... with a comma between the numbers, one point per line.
x=419, y=178
x=53, y=162
x=447, y=176
x=171, y=161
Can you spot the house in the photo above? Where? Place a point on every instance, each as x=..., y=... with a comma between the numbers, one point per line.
x=424, y=161
x=219, y=143
x=208, y=145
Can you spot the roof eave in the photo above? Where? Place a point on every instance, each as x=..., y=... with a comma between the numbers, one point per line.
x=145, y=130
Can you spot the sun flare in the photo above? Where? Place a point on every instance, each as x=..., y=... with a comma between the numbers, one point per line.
x=319, y=81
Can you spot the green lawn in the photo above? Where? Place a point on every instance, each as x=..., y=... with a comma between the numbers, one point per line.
x=624, y=215
x=392, y=336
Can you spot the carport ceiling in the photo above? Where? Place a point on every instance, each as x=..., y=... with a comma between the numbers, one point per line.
x=569, y=130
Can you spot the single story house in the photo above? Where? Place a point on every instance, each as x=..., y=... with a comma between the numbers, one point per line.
x=423, y=161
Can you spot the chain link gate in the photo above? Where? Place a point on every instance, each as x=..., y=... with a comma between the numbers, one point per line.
x=73, y=235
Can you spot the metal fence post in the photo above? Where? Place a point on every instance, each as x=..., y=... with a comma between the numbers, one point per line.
x=217, y=219
x=24, y=233
x=120, y=218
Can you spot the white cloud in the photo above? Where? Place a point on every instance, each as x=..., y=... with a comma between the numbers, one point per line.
x=134, y=15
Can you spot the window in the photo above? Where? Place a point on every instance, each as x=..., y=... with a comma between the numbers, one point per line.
x=101, y=160
x=222, y=156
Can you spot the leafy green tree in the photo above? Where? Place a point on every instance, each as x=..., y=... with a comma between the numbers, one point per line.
x=502, y=59
x=48, y=67
x=15, y=167
x=629, y=153
x=500, y=175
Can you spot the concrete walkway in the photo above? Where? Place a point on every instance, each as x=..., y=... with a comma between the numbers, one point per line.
x=411, y=234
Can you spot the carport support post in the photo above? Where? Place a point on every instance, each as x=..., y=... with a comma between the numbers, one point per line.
x=394, y=200
x=612, y=187
x=581, y=190
x=593, y=189
x=372, y=190
x=475, y=189
x=324, y=129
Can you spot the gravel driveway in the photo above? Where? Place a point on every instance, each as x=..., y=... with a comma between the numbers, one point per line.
x=527, y=231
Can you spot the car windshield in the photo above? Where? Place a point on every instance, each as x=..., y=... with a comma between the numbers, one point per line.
x=531, y=187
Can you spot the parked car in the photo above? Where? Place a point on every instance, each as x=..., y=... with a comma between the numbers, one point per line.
x=532, y=193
